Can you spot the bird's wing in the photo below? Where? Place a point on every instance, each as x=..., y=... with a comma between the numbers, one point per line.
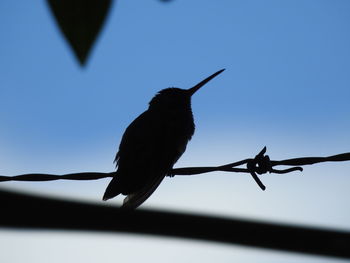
x=147, y=152
x=132, y=149
x=143, y=158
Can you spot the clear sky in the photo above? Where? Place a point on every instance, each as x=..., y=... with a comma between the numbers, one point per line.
x=286, y=86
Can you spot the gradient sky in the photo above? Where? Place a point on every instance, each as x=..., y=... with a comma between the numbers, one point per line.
x=286, y=86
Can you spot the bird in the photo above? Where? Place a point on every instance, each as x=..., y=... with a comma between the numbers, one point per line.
x=152, y=144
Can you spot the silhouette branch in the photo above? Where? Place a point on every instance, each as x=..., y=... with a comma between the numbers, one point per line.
x=259, y=165
x=23, y=211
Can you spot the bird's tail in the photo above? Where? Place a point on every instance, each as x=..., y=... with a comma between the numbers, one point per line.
x=112, y=189
x=135, y=199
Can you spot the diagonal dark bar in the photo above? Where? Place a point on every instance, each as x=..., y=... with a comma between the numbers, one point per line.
x=22, y=211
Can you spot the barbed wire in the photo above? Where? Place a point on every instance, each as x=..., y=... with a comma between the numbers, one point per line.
x=260, y=164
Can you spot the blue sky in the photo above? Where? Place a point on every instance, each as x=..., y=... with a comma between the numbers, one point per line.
x=286, y=86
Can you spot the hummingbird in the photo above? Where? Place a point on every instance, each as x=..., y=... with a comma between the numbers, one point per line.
x=152, y=144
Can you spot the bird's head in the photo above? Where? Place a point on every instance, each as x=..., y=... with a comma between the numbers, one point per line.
x=175, y=98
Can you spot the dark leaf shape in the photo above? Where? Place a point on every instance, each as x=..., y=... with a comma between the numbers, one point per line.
x=80, y=22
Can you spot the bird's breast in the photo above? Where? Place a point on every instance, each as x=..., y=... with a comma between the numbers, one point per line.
x=180, y=126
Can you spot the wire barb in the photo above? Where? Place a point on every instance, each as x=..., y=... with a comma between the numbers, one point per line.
x=259, y=165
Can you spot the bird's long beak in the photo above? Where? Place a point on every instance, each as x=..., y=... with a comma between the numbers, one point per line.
x=203, y=82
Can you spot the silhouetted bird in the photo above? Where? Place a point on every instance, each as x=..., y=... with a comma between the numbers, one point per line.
x=152, y=144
